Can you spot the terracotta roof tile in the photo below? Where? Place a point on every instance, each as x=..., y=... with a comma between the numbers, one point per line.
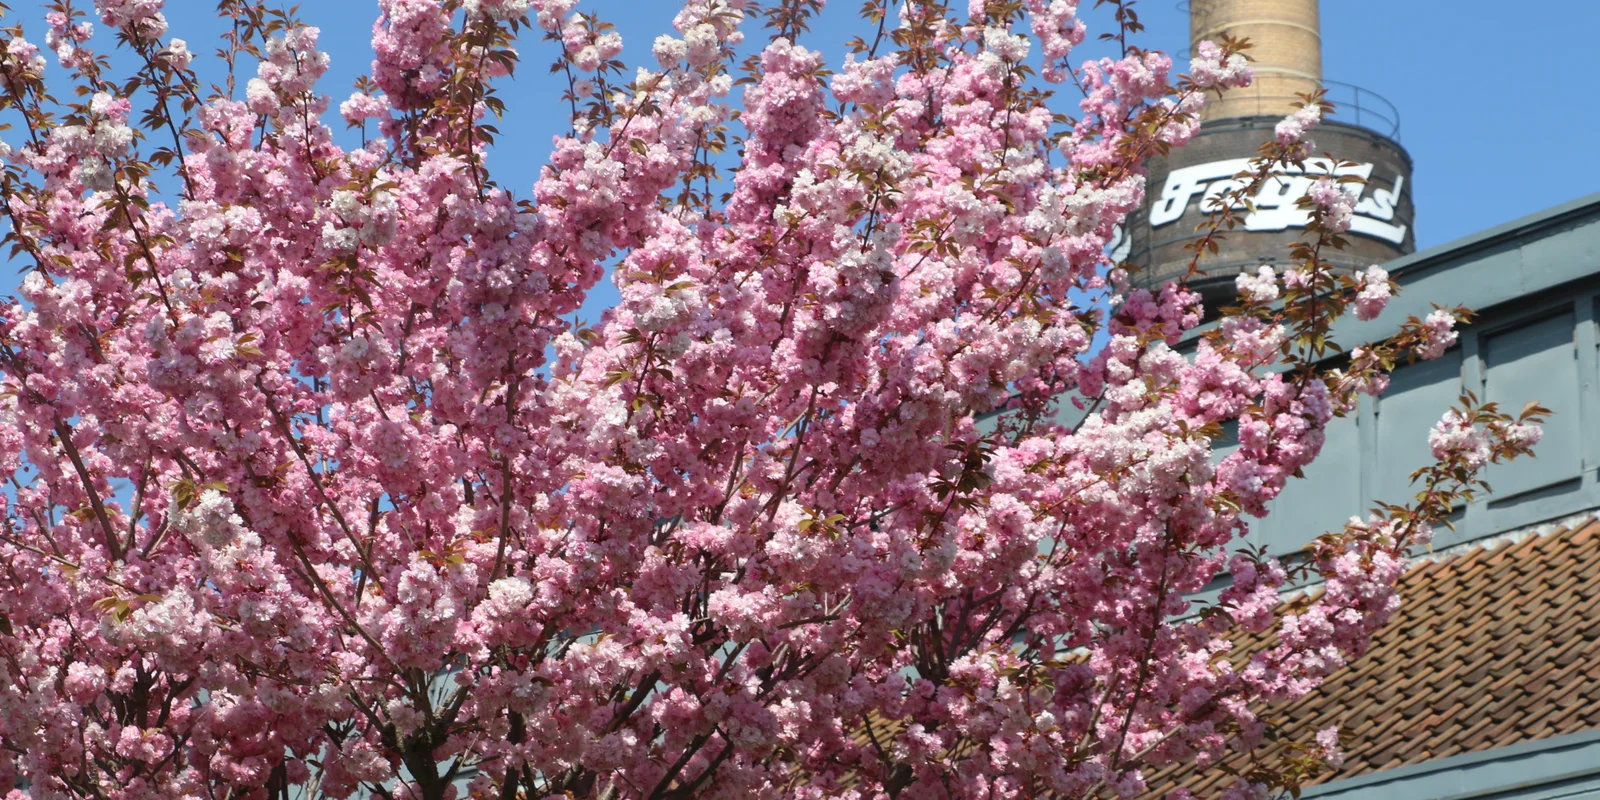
x=1491, y=648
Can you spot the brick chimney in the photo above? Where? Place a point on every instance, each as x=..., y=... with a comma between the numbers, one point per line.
x=1286, y=46
x=1287, y=51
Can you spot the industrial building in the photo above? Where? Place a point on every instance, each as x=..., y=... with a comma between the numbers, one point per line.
x=1487, y=683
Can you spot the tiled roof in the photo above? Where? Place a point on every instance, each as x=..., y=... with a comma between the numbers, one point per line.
x=1492, y=647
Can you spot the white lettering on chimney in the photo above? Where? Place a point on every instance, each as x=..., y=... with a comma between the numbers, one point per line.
x=1275, y=202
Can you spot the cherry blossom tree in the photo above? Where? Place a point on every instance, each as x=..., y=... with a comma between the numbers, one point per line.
x=318, y=489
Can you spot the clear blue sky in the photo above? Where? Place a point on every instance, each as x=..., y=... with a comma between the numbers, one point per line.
x=1496, y=98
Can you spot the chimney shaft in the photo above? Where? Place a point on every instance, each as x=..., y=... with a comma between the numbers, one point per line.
x=1287, y=53
x=1287, y=49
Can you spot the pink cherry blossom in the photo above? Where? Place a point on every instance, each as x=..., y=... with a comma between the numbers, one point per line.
x=1291, y=130
x=1336, y=203
x=1374, y=293
x=1212, y=68
x=1438, y=334
x=318, y=487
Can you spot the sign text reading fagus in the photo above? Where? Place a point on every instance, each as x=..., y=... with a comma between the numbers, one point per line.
x=1275, y=203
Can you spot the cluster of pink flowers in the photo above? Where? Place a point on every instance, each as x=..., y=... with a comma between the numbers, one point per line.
x=1374, y=293
x=1056, y=26
x=1336, y=203
x=321, y=489
x=1291, y=130
x=1365, y=376
x=1212, y=68
x=1458, y=437
x=1260, y=287
x=1439, y=334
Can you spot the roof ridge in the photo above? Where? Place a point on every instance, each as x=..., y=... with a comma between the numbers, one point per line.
x=1497, y=642
x=1455, y=555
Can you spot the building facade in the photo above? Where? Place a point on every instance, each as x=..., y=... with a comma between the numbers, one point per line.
x=1487, y=682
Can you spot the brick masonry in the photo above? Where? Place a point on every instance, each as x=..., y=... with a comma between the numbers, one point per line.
x=1159, y=252
x=1286, y=47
